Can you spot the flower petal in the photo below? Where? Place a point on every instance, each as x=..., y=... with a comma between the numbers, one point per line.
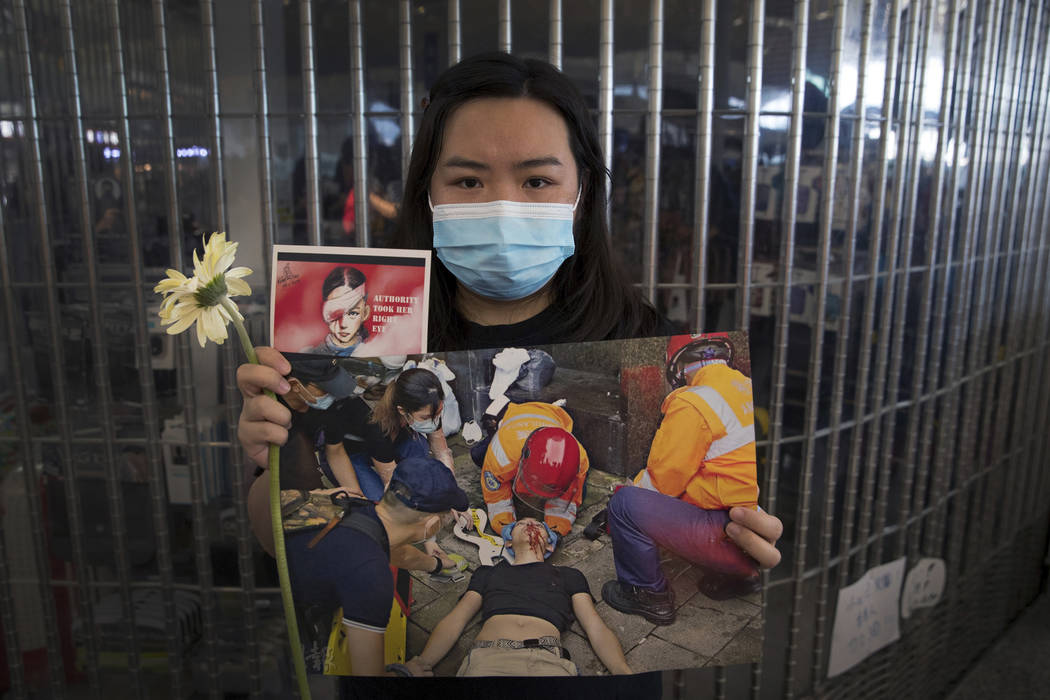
x=198, y=267
x=214, y=251
x=174, y=280
x=214, y=324
x=181, y=322
x=237, y=287
x=226, y=257
x=234, y=312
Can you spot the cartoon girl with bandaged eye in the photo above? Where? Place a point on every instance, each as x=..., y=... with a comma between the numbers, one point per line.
x=345, y=310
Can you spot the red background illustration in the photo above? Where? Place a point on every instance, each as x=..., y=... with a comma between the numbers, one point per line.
x=297, y=319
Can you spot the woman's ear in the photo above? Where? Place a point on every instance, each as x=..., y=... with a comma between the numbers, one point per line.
x=367, y=313
x=582, y=191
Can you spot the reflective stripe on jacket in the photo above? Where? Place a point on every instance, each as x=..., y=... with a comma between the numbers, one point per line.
x=704, y=451
x=501, y=466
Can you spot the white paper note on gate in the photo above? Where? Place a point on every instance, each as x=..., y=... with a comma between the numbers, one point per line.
x=867, y=617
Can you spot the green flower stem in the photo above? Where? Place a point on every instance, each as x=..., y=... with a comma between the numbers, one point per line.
x=274, y=465
x=246, y=342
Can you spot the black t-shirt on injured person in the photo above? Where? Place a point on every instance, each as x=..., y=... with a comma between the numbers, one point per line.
x=538, y=589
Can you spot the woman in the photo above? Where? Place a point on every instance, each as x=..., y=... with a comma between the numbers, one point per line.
x=497, y=133
x=406, y=422
x=344, y=309
x=503, y=129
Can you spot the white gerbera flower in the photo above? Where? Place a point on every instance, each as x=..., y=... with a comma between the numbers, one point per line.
x=204, y=298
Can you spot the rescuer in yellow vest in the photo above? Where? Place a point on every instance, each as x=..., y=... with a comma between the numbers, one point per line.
x=701, y=464
x=704, y=451
x=534, y=460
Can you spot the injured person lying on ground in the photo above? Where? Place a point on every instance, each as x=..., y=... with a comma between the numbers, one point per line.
x=525, y=608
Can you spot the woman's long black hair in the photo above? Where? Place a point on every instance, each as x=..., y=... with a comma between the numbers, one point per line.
x=590, y=290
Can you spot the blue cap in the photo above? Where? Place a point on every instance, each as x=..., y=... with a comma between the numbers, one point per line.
x=427, y=485
x=326, y=373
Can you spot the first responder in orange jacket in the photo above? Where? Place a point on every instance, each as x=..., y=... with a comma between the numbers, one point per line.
x=500, y=477
x=704, y=451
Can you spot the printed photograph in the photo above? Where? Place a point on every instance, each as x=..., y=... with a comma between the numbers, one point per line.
x=554, y=510
x=349, y=302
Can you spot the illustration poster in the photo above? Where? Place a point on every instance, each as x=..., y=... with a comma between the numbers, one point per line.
x=344, y=302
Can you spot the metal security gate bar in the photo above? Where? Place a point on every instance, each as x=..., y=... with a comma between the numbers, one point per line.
x=862, y=184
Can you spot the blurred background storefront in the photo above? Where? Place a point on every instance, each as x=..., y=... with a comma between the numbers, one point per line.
x=897, y=298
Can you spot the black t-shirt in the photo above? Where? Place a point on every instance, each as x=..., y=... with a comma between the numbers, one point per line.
x=531, y=331
x=535, y=331
x=380, y=447
x=538, y=589
x=352, y=416
x=345, y=416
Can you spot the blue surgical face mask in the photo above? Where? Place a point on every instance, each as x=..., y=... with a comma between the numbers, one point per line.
x=322, y=403
x=504, y=250
x=425, y=426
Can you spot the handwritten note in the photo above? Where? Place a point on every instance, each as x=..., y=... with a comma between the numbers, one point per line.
x=867, y=616
x=924, y=586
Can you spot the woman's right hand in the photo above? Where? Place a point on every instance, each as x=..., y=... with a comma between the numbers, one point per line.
x=263, y=419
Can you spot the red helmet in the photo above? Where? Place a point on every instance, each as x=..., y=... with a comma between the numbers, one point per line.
x=550, y=460
x=684, y=350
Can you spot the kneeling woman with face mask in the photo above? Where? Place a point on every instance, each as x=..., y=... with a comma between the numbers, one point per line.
x=406, y=422
x=363, y=445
